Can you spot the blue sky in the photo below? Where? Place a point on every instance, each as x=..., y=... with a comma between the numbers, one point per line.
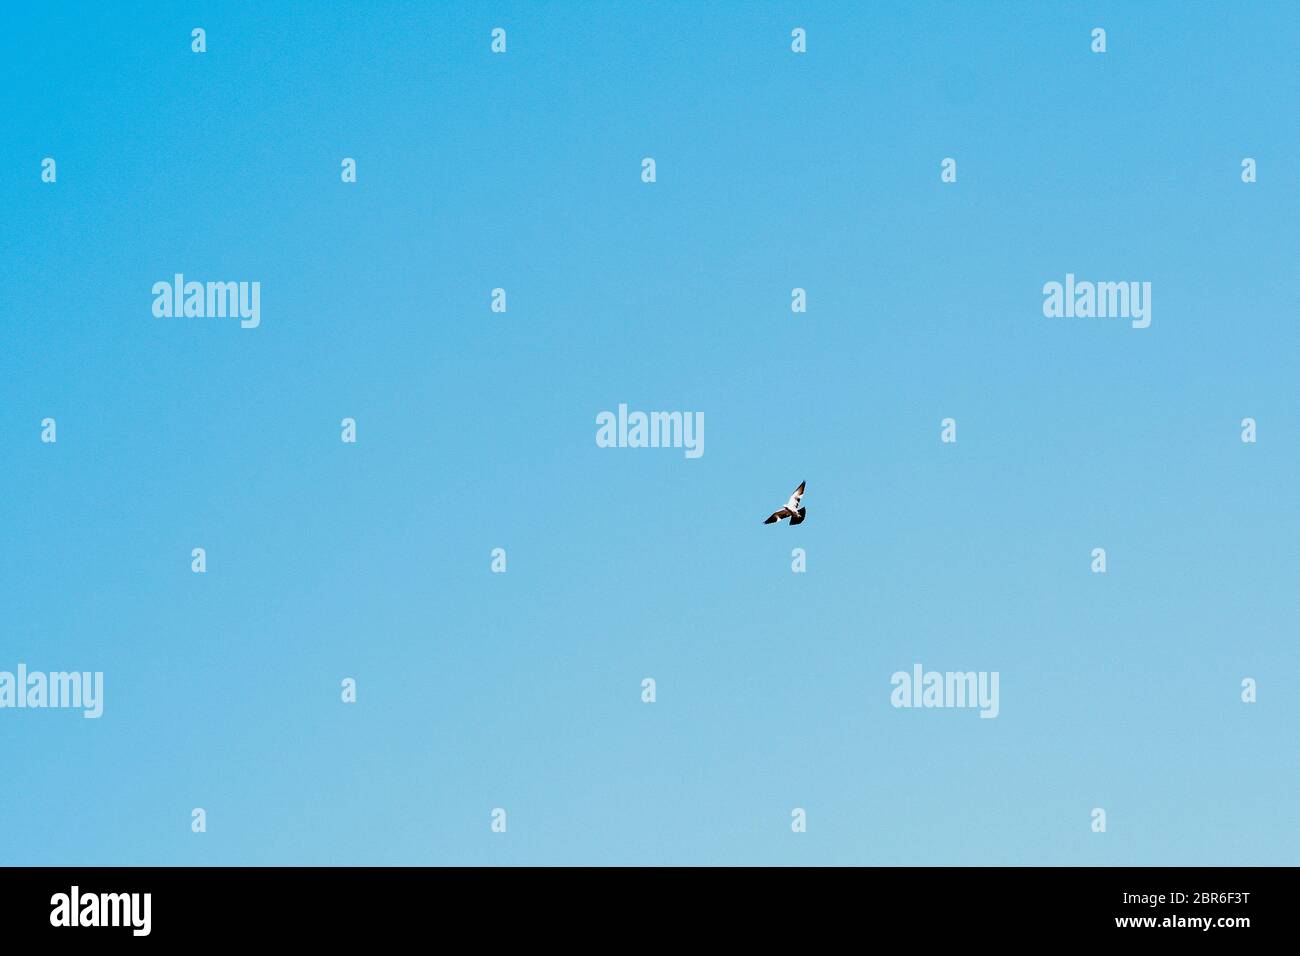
x=476, y=431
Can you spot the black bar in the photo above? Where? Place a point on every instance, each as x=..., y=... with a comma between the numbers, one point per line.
x=331, y=905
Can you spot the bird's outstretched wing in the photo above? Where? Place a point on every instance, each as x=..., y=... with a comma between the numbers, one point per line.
x=793, y=503
x=778, y=515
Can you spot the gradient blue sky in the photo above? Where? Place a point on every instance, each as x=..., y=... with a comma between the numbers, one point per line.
x=477, y=431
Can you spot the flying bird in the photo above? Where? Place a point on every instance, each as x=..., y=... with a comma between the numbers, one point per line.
x=791, y=509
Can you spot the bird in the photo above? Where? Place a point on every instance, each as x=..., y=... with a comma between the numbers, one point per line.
x=791, y=509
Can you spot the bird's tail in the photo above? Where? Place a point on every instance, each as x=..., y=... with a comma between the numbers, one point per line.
x=798, y=517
